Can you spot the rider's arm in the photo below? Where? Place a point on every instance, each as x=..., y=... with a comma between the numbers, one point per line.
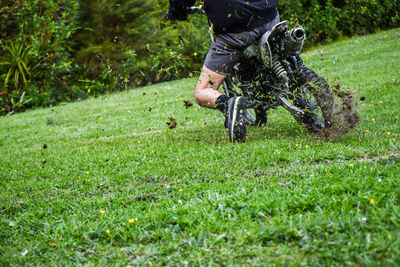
x=178, y=9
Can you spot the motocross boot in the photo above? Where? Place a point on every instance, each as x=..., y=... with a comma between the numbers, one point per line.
x=236, y=118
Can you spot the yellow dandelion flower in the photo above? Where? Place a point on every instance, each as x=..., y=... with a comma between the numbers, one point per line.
x=297, y=145
x=229, y=216
x=131, y=220
x=306, y=146
x=123, y=119
x=394, y=139
x=50, y=130
x=195, y=54
x=388, y=133
x=88, y=180
x=381, y=102
x=89, y=90
x=138, y=141
x=372, y=201
x=351, y=165
x=101, y=117
x=373, y=119
x=366, y=131
x=102, y=211
x=107, y=231
x=87, y=173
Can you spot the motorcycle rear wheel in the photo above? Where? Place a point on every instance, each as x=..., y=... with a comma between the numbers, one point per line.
x=313, y=96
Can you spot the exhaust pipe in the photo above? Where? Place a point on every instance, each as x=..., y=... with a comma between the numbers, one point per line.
x=294, y=44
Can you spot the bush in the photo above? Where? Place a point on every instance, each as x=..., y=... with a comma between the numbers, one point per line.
x=46, y=27
x=9, y=10
x=326, y=21
x=133, y=40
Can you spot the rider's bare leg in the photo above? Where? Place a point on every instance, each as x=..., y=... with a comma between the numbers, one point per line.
x=207, y=88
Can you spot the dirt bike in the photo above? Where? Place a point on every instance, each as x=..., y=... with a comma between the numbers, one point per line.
x=272, y=74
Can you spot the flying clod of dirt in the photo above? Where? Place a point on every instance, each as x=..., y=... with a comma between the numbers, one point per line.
x=344, y=115
x=188, y=103
x=172, y=122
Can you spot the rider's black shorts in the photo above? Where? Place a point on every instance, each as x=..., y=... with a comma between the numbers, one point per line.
x=227, y=48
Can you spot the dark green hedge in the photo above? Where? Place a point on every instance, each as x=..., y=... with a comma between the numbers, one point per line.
x=73, y=49
x=8, y=17
x=326, y=21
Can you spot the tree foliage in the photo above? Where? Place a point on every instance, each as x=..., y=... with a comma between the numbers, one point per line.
x=9, y=10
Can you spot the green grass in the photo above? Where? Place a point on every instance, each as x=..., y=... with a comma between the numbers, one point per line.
x=283, y=197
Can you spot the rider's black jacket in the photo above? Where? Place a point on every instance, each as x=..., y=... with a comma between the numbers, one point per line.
x=229, y=15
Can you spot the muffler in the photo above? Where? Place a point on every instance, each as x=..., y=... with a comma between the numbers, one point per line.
x=294, y=44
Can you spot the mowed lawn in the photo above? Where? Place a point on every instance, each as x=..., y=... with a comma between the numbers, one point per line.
x=106, y=182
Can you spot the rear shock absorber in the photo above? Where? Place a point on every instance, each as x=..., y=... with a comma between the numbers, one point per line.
x=278, y=69
x=280, y=72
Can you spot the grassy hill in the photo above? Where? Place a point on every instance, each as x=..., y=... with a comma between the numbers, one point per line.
x=105, y=181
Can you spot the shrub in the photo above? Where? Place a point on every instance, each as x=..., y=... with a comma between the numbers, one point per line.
x=326, y=21
x=9, y=10
x=46, y=27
